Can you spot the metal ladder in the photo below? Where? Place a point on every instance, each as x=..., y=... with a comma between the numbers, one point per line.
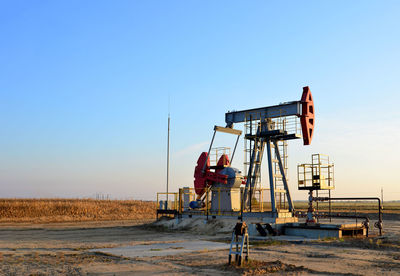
x=254, y=150
x=281, y=203
x=241, y=246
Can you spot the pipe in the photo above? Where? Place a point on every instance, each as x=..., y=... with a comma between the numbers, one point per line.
x=378, y=225
x=329, y=215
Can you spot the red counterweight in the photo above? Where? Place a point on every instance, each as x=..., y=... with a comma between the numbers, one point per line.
x=223, y=161
x=203, y=179
x=307, y=116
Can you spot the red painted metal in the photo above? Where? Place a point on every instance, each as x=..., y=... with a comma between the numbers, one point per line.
x=200, y=180
x=307, y=118
x=215, y=177
x=223, y=161
x=204, y=179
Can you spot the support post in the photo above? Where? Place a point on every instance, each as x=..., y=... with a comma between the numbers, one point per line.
x=208, y=154
x=234, y=150
x=271, y=177
x=249, y=179
x=285, y=184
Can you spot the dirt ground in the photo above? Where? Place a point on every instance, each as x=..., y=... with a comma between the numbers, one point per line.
x=64, y=249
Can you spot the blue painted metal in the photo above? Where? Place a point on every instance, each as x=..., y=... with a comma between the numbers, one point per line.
x=276, y=111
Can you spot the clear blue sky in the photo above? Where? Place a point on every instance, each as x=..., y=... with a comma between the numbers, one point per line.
x=84, y=89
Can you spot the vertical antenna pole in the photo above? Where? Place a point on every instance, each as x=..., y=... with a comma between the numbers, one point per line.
x=169, y=119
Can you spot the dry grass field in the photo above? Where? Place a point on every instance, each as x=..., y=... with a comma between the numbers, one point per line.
x=71, y=210
x=75, y=210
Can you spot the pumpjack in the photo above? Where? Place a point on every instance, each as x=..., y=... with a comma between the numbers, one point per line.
x=267, y=130
x=222, y=190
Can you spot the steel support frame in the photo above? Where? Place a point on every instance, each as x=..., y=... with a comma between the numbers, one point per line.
x=285, y=184
x=248, y=191
x=255, y=166
x=271, y=177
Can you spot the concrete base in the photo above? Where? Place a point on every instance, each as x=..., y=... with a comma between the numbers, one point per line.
x=319, y=231
x=284, y=225
x=277, y=220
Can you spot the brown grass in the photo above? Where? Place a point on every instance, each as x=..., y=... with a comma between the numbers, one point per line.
x=70, y=210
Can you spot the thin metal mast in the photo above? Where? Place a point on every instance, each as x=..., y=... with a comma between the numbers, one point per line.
x=169, y=120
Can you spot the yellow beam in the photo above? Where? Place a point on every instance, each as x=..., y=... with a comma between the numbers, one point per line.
x=228, y=130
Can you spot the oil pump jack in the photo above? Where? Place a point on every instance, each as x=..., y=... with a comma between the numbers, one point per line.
x=267, y=130
x=222, y=190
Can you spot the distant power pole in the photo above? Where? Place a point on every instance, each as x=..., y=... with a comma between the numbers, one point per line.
x=382, y=195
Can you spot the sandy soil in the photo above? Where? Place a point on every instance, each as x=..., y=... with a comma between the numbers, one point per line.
x=65, y=249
